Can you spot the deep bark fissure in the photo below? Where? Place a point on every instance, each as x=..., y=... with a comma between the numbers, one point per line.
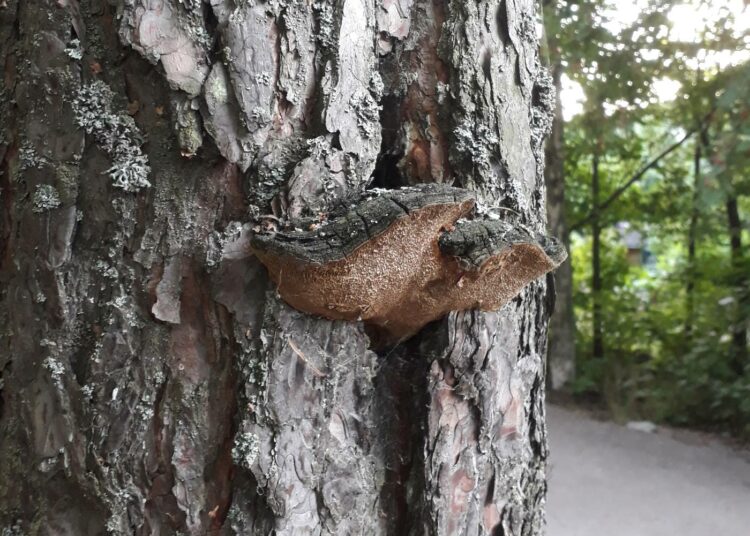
x=387, y=173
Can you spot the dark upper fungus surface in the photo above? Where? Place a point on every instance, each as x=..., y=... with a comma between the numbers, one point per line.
x=399, y=259
x=346, y=230
x=475, y=242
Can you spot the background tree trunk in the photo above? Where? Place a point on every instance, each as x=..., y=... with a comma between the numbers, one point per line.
x=692, y=239
x=152, y=381
x=562, y=338
x=597, y=348
x=738, y=355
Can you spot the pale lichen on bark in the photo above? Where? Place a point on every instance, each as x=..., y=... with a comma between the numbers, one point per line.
x=116, y=133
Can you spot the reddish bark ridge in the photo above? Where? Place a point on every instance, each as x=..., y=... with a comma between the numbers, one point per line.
x=399, y=259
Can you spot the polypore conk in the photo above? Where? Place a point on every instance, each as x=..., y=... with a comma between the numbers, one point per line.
x=402, y=259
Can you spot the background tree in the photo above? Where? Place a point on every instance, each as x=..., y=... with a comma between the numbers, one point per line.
x=561, y=356
x=582, y=47
x=152, y=381
x=657, y=89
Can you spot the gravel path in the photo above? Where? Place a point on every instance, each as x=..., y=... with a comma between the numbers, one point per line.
x=608, y=480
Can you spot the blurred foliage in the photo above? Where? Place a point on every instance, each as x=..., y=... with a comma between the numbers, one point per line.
x=669, y=323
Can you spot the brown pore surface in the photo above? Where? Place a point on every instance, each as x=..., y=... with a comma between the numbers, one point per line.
x=399, y=280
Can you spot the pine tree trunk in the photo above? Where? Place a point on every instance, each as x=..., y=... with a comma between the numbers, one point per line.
x=152, y=380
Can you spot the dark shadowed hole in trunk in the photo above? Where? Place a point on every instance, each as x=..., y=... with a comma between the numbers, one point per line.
x=387, y=173
x=501, y=19
x=212, y=23
x=80, y=359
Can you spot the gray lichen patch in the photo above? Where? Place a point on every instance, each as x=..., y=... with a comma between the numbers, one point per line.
x=13, y=530
x=115, y=133
x=543, y=109
x=74, y=49
x=246, y=449
x=326, y=18
x=187, y=126
x=29, y=158
x=56, y=369
x=45, y=198
x=66, y=180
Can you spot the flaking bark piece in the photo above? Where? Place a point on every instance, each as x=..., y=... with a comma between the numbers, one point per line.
x=398, y=260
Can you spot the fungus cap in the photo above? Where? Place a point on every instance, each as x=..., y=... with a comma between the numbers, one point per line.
x=400, y=259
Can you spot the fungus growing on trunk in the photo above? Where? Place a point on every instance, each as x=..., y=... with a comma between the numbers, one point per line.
x=400, y=259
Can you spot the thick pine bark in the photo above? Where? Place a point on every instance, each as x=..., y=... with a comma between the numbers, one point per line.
x=152, y=380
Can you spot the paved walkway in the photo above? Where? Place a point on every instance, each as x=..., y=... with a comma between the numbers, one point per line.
x=608, y=480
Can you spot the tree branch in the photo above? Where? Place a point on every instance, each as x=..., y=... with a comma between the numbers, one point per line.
x=639, y=175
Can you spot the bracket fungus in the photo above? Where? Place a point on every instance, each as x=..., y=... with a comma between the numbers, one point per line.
x=399, y=259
